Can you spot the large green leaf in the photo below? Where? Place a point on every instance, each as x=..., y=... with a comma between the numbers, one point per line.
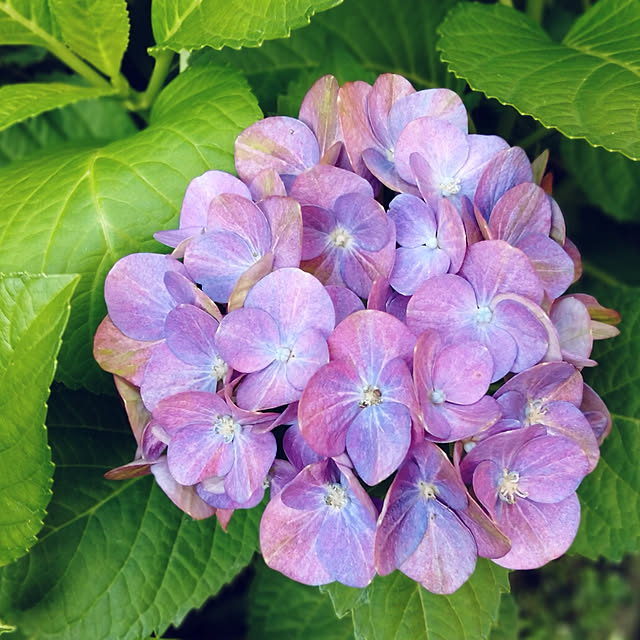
x=587, y=87
x=397, y=607
x=91, y=122
x=33, y=314
x=21, y=101
x=610, y=496
x=79, y=211
x=115, y=559
x=281, y=608
x=193, y=24
x=610, y=180
x=27, y=22
x=98, y=31
x=506, y=626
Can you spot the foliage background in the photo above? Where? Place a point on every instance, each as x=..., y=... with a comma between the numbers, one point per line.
x=99, y=140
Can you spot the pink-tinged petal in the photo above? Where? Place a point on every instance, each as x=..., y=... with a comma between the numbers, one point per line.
x=527, y=331
x=354, y=120
x=212, y=491
x=295, y=300
x=360, y=267
x=121, y=355
x=435, y=422
x=469, y=420
x=522, y=210
x=493, y=267
x=308, y=354
x=597, y=312
x=443, y=104
x=571, y=319
x=267, y=388
x=370, y=339
x=198, y=409
x=136, y=297
x=325, y=267
x=550, y=468
x=551, y=262
x=574, y=254
x=323, y=185
x=139, y=416
x=428, y=345
x=364, y=219
x=154, y=441
x=190, y=334
x=134, y=469
x=248, y=339
x=183, y=497
x=281, y=473
x=505, y=170
x=254, y=454
x=490, y=541
x=217, y=259
x=558, y=229
x=281, y=143
x=345, y=301
x=297, y=450
x=267, y=183
x=539, y=533
x=224, y=517
x=474, y=223
x=385, y=170
x=166, y=375
x=318, y=224
x=597, y=414
x=414, y=265
x=328, y=405
x=319, y=111
x=481, y=150
x=386, y=91
x=486, y=476
x=414, y=219
x=463, y=371
x=378, y=440
x=446, y=557
x=285, y=219
x=185, y=291
x=246, y=281
x=451, y=234
x=202, y=190
x=287, y=542
x=442, y=146
x=178, y=238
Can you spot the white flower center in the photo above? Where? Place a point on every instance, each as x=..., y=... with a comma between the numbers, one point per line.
x=336, y=497
x=219, y=368
x=226, y=427
x=437, y=396
x=534, y=412
x=428, y=490
x=371, y=396
x=340, y=238
x=508, y=489
x=283, y=354
x=483, y=315
x=449, y=186
x=431, y=243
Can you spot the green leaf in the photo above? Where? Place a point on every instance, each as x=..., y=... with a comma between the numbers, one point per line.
x=27, y=22
x=610, y=495
x=587, y=87
x=610, y=180
x=79, y=211
x=21, y=101
x=193, y=24
x=33, y=314
x=506, y=627
x=282, y=608
x=89, y=122
x=97, y=30
x=115, y=559
x=397, y=607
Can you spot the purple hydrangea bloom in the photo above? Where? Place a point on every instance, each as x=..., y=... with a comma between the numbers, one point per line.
x=279, y=338
x=527, y=480
x=363, y=401
x=494, y=301
x=431, y=242
x=320, y=528
x=452, y=380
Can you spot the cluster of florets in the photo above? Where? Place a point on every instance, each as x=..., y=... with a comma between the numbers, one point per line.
x=386, y=293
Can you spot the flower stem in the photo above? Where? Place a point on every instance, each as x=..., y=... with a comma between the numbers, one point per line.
x=535, y=10
x=159, y=75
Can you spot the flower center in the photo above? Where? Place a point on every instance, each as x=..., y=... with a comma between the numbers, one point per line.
x=534, y=412
x=371, y=396
x=340, y=238
x=428, y=490
x=483, y=315
x=226, y=427
x=449, y=186
x=508, y=487
x=437, y=396
x=336, y=497
x=283, y=354
x=219, y=368
x=431, y=243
